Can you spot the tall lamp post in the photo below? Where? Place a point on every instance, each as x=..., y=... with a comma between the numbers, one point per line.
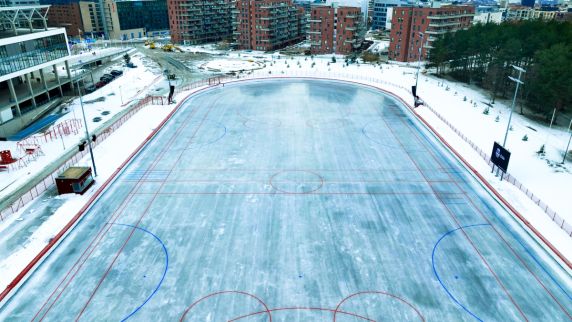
x=570, y=139
x=518, y=82
x=419, y=61
x=86, y=130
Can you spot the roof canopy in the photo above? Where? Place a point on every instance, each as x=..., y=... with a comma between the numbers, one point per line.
x=12, y=18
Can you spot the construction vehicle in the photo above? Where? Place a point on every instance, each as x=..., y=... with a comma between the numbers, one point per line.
x=168, y=47
x=152, y=45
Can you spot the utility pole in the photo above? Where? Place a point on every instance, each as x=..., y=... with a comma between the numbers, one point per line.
x=569, y=139
x=518, y=82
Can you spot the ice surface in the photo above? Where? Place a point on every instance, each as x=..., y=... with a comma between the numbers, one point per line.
x=301, y=200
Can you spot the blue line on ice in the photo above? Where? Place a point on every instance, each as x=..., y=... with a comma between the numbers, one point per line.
x=162, y=277
x=437, y=274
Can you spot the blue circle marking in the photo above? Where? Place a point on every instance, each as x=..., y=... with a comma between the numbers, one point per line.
x=162, y=277
x=437, y=274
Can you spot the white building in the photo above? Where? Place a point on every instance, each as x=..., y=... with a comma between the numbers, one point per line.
x=34, y=70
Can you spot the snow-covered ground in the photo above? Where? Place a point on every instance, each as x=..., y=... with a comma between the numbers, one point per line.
x=540, y=175
x=103, y=104
x=231, y=65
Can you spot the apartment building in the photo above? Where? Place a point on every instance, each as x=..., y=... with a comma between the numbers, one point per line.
x=65, y=14
x=335, y=29
x=200, y=21
x=91, y=18
x=267, y=24
x=414, y=29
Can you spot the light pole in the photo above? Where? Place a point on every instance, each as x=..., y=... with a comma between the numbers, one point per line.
x=570, y=139
x=121, y=95
x=419, y=61
x=518, y=82
x=86, y=130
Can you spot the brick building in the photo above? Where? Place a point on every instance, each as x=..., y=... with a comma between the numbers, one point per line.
x=267, y=24
x=200, y=21
x=335, y=29
x=409, y=24
x=65, y=14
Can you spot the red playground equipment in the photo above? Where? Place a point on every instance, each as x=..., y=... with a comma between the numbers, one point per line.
x=6, y=160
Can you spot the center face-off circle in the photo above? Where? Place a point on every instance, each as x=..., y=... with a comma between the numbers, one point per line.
x=297, y=181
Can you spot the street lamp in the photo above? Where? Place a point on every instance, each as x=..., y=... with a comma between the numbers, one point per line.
x=570, y=139
x=419, y=61
x=86, y=130
x=518, y=82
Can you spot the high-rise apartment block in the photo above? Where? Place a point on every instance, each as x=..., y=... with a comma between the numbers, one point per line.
x=267, y=24
x=335, y=29
x=200, y=21
x=414, y=29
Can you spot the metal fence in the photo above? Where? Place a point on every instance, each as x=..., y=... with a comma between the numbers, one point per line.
x=49, y=180
x=567, y=227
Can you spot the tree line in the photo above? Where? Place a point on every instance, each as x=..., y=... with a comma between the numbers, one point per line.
x=484, y=55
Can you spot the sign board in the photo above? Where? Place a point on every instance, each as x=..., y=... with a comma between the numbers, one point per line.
x=500, y=157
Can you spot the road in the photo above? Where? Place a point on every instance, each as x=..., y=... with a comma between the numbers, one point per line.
x=173, y=61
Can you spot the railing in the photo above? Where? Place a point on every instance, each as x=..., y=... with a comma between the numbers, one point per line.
x=567, y=227
x=552, y=214
x=48, y=181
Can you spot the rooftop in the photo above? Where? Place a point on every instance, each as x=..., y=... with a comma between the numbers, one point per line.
x=23, y=17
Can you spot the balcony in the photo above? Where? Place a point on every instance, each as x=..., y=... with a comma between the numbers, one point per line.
x=444, y=24
x=453, y=16
x=437, y=32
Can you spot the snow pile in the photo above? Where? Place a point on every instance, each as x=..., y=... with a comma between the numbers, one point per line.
x=100, y=106
x=231, y=65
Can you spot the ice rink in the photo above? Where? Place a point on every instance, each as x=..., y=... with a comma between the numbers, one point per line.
x=295, y=200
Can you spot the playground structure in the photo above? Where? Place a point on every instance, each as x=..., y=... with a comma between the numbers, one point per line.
x=30, y=148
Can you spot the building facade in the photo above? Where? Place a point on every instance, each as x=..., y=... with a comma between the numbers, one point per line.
x=150, y=15
x=34, y=69
x=334, y=29
x=379, y=12
x=267, y=24
x=414, y=29
x=200, y=21
x=65, y=14
x=91, y=18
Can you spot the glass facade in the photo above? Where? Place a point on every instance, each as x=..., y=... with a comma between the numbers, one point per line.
x=21, y=55
x=151, y=15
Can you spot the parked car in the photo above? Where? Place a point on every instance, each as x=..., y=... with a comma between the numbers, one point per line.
x=90, y=88
x=100, y=84
x=116, y=73
x=107, y=78
x=130, y=65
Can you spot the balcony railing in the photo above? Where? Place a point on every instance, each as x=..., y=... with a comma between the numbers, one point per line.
x=451, y=16
x=444, y=24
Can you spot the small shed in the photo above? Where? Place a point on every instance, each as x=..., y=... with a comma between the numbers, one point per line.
x=74, y=180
